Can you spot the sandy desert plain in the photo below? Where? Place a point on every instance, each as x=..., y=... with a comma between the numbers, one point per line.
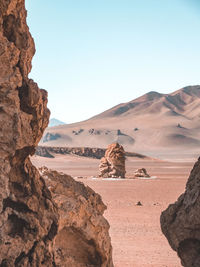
x=135, y=231
x=163, y=127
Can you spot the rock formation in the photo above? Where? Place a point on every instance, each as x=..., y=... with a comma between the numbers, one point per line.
x=83, y=238
x=180, y=222
x=91, y=152
x=141, y=173
x=113, y=163
x=29, y=218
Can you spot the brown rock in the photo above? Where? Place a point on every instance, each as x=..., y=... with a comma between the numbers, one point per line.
x=180, y=222
x=83, y=238
x=141, y=173
x=138, y=203
x=28, y=214
x=113, y=163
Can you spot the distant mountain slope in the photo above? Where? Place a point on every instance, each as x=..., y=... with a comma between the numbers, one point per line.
x=54, y=122
x=181, y=102
x=151, y=123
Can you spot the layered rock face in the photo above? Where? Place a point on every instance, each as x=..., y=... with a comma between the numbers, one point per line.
x=180, y=222
x=83, y=238
x=29, y=218
x=113, y=163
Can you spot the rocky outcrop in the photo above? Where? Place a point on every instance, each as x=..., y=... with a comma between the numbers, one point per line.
x=113, y=163
x=29, y=218
x=180, y=222
x=82, y=238
x=141, y=173
x=91, y=152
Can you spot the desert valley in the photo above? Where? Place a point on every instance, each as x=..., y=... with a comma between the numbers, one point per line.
x=135, y=231
x=161, y=134
x=119, y=189
x=154, y=124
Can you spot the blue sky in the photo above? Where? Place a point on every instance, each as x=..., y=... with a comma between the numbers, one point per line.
x=94, y=54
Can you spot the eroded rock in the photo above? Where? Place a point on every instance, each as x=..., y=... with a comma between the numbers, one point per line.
x=83, y=238
x=180, y=222
x=28, y=214
x=113, y=163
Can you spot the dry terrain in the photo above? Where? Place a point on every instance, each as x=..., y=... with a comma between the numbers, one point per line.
x=151, y=124
x=135, y=230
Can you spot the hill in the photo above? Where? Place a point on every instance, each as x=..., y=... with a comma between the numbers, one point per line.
x=151, y=124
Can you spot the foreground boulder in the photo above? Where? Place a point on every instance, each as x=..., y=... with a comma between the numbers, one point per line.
x=29, y=217
x=113, y=163
x=180, y=222
x=82, y=238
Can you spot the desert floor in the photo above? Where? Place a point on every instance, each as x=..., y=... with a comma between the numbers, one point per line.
x=135, y=230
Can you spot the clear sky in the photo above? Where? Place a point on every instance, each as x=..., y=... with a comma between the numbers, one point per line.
x=94, y=54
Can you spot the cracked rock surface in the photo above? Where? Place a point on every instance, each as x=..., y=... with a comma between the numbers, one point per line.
x=180, y=222
x=29, y=217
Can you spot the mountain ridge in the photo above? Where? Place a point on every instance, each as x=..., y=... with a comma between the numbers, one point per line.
x=153, y=122
x=175, y=99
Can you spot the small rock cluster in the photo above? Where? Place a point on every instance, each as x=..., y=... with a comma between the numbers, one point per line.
x=141, y=173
